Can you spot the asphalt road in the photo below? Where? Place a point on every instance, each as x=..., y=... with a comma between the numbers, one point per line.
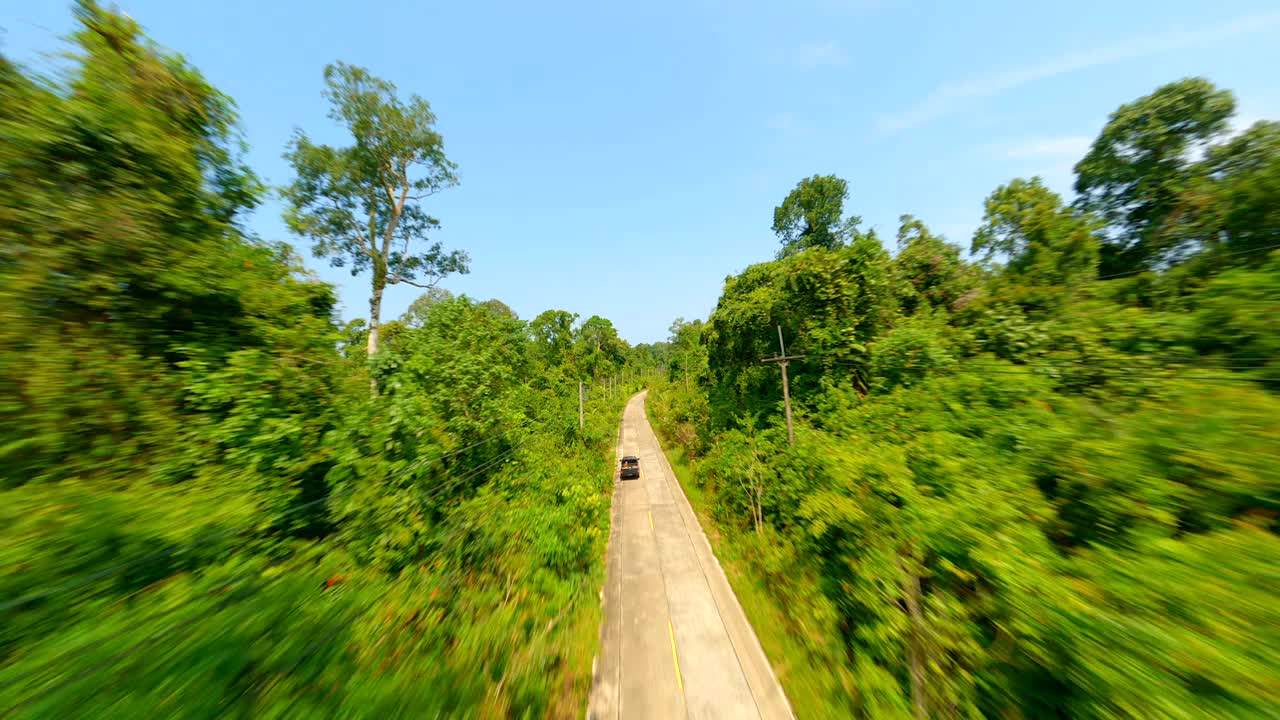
x=674, y=640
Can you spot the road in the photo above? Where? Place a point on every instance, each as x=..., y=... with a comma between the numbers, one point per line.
x=674, y=640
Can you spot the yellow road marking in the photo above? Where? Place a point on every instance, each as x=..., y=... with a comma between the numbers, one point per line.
x=676, y=658
x=650, y=519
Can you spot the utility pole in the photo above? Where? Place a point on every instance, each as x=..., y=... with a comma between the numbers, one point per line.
x=581, y=422
x=783, y=359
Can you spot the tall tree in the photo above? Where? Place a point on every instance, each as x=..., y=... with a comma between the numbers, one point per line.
x=688, y=351
x=552, y=336
x=812, y=215
x=361, y=204
x=1139, y=166
x=1042, y=239
x=420, y=309
x=599, y=346
x=1243, y=192
x=934, y=275
x=494, y=305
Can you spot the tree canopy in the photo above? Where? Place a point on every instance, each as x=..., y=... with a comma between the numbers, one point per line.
x=1138, y=168
x=812, y=215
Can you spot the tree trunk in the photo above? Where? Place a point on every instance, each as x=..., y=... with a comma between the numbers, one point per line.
x=757, y=491
x=915, y=645
x=375, y=314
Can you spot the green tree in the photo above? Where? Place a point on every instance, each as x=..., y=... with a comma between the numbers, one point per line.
x=416, y=315
x=830, y=304
x=1139, y=166
x=688, y=353
x=494, y=305
x=1237, y=315
x=553, y=336
x=812, y=215
x=934, y=274
x=1042, y=239
x=600, y=349
x=360, y=205
x=1242, y=215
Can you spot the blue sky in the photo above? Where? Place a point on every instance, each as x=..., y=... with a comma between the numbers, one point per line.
x=622, y=159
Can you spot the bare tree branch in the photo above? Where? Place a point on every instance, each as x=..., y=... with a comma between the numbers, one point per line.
x=406, y=281
x=404, y=186
x=426, y=194
x=398, y=211
x=355, y=226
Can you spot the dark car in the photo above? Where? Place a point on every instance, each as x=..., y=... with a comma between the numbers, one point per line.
x=630, y=467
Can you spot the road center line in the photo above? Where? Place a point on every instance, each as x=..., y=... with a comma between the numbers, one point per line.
x=672, y=634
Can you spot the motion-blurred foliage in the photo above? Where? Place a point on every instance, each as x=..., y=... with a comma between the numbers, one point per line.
x=203, y=510
x=1042, y=485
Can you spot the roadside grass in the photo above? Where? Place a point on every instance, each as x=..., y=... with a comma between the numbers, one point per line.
x=582, y=643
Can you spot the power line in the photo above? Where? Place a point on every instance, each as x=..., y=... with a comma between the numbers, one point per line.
x=172, y=610
x=439, y=489
x=90, y=577
x=1246, y=251
x=153, y=638
x=1085, y=364
x=1105, y=364
x=153, y=617
x=320, y=642
x=1111, y=373
x=1116, y=365
x=1232, y=359
x=1128, y=375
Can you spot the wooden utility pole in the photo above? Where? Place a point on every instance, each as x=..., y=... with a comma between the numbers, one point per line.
x=783, y=359
x=581, y=421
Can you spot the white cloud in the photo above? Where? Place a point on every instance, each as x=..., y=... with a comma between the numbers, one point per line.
x=822, y=54
x=949, y=98
x=1072, y=145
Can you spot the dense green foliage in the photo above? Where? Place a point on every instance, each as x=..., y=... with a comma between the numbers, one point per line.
x=1022, y=486
x=203, y=510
